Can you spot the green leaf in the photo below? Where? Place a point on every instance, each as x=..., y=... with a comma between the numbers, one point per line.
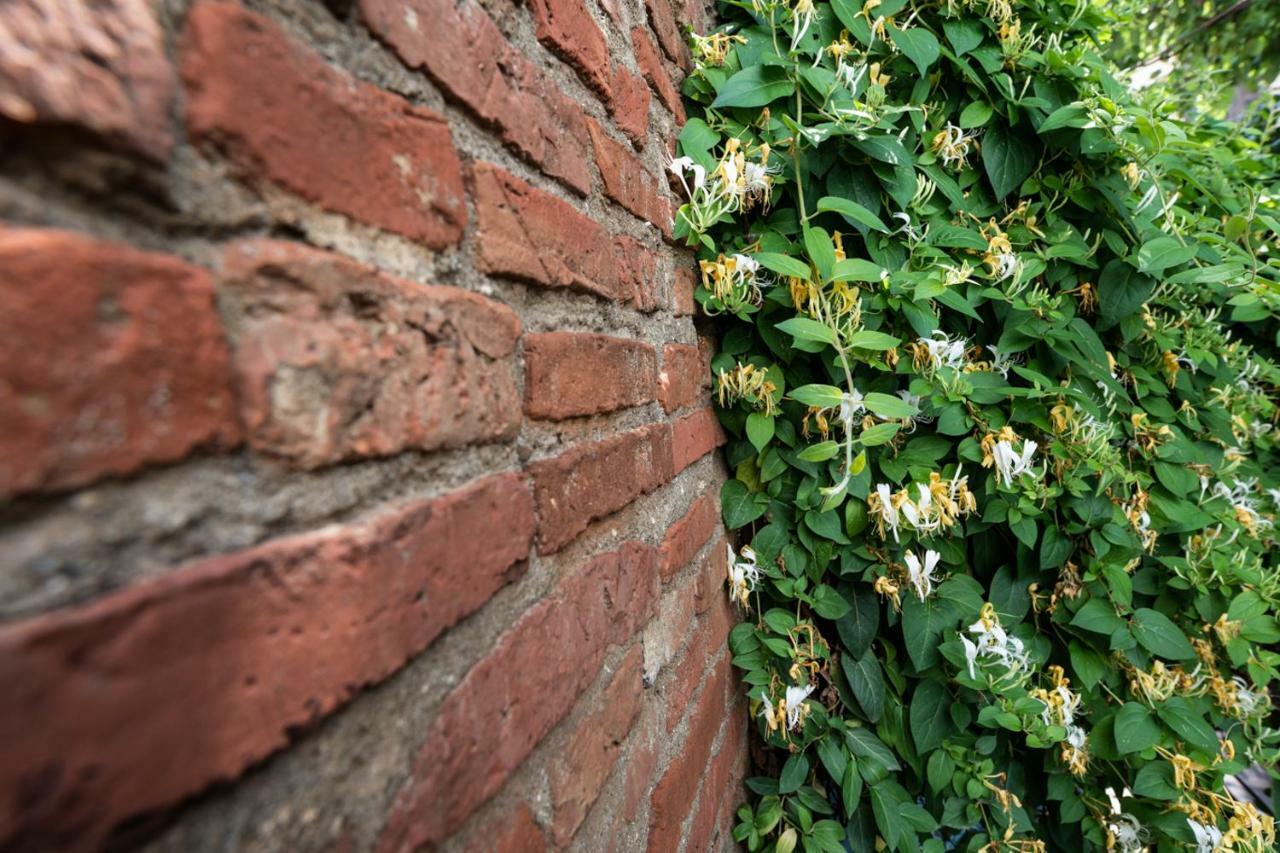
x=930, y=715
x=878, y=434
x=917, y=44
x=851, y=211
x=1008, y=158
x=1158, y=635
x=858, y=627
x=740, y=505
x=1072, y=115
x=1188, y=724
x=759, y=430
x=1090, y=667
x=964, y=35
x=865, y=745
x=878, y=341
x=1159, y=254
x=856, y=269
x=1097, y=615
x=820, y=452
x=1155, y=780
x=1135, y=730
x=783, y=264
x=1121, y=292
x=822, y=251
x=794, y=772
x=922, y=624
x=888, y=406
x=821, y=396
x=804, y=329
x=885, y=809
x=754, y=86
x=975, y=115
x=867, y=683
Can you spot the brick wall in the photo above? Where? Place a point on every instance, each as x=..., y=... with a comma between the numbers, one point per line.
x=357, y=484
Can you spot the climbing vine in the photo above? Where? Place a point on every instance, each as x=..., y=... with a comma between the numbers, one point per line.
x=997, y=362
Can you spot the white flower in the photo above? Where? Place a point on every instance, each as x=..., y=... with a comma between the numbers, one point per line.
x=994, y=643
x=747, y=265
x=795, y=704
x=802, y=15
x=743, y=575
x=1007, y=265
x=1128, y=834
x=888, y=512
x=920, y=575
x=944, y=352
x=851, y=405
x=681, y=166
x=1076, y=736
x=1000, y=362
x=970, y=655
x=1010, y=463
x=1207, y=837
x=1247, y=700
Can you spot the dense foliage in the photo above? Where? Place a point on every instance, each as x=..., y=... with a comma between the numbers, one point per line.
x=996, y=363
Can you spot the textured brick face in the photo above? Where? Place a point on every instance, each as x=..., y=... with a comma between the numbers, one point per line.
x=110, y=359
x=569, y=374
x=465, y=52
x=336, y=361
x=345, y=146
x=155, y=692
x=347, y=437
x=99, y=65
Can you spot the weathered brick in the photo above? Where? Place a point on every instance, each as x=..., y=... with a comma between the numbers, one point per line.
x=637, y=271
x=663, y=20
x=590, y=481
x=651, y=66
x=675, y=794
x=640, y=765
x=510, y=700
x=708, y=587
x=628, y=182
x=708, y=636
x=148, y=696
x=684, y=376
x=570, y=373
x=343, y=145
x=694, y=436
x=336, y=361
x=534, y=236
x=463, y=50
x=708, y=819
x=686, y=282
x=580, y=771
x=629, y=105
x=517, y=833
x=567, y=29
x=686, y=537
x=98, y=65
x=665, y=635
x=110, y=359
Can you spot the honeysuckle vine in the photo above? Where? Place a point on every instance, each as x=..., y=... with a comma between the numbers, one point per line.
x=997, y=349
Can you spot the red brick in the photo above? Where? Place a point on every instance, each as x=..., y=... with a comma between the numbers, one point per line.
x=687, y=536
x=568, y=30
x=628, y=182
x=694, y=436
x=510, y=700
x=343, y=145
x=640, y=766
x=578, y=773
x=569, y=374
x=654, y=71
x=684, y=376
x=705, y=642
x=132, y=703
x=534, y=236
x=686, y=282
x=517, y=833
x=466, y=53
x=629, y=105
x=336, y=361
x=663, y=20
x=110, y=359
x=708, y=586
x=637, y=272
x=675, y=794
x=717, y=787
x=99, y=65
x=590, y=481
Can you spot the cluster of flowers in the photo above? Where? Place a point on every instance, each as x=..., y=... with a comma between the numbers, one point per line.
x=1062, y=708
x=1010, y=462
x=736, y=184
x=994, y=645
x=937, y=507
